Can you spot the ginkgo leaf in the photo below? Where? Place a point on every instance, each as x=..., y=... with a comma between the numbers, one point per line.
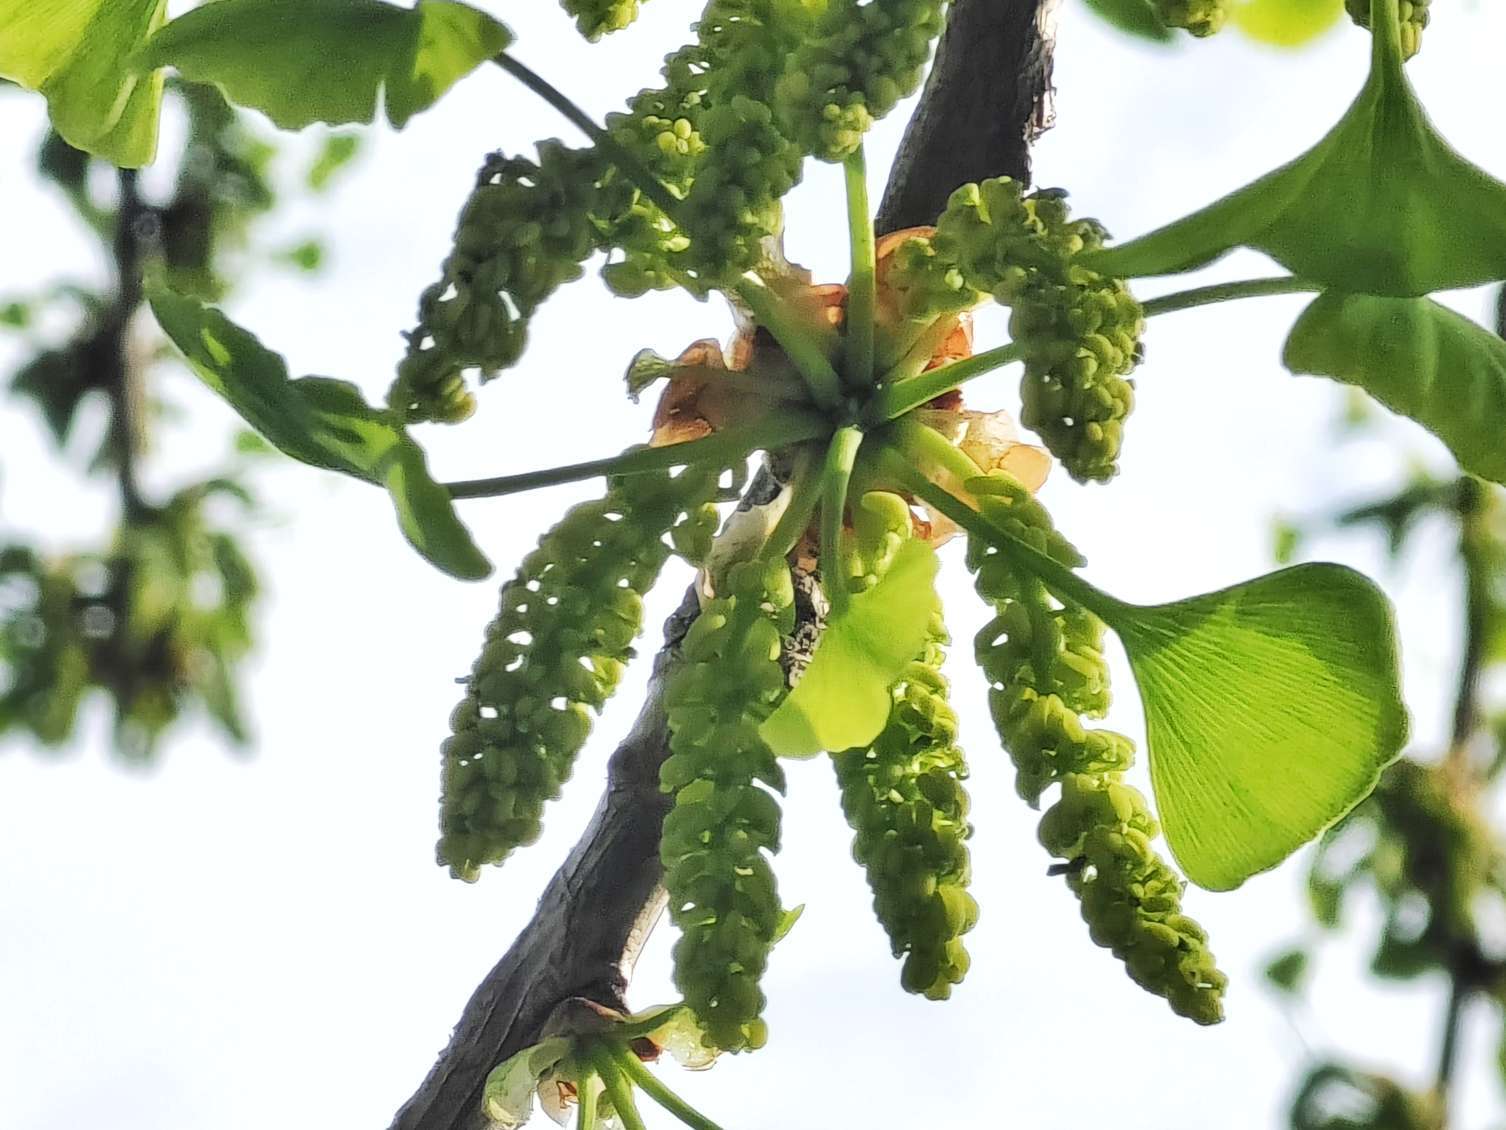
x=1417, y=358
x=324, y=422
x=78, y=54
x=843, y=699
x=1381, y=205
x=306, y=61
x=1285, y=23
x=1270, y=707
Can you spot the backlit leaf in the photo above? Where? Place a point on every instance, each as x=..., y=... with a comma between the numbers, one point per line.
x=1285, y=23
x=1417, y=358
x=78, y=54
x=1381, y=205
x=1271, y=709
x=306, y=61
x=843, y=699
x=323, y=422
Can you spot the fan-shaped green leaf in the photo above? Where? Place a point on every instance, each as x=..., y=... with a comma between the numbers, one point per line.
x=78, y=54
x=306, y=61
x=843, y=699
x=1271, y=709
x=1381, y=205
x=323, y=422
x=1417, y=358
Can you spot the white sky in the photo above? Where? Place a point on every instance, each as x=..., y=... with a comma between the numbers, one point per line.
x=237, y=943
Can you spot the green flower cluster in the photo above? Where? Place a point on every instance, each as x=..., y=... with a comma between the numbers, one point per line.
x=556, y=651
x=903, y=795
x=1080, y=330
x=1415, y=15
x=710, y=134
x=1200, y=17
x=596, y=18
x=724, y=825
x=859, y=61
x=524, y=232
x=1045, y=665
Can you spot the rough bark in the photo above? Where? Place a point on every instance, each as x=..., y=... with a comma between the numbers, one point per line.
x=987, y=98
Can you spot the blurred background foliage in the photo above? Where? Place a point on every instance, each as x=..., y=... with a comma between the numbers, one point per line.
x=157, y=617
x=1428, y=847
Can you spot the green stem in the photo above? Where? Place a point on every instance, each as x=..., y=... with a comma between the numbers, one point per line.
x=862, y=285
x=920, y=349
x=895, y=400
x=1226, y=292
x=802, y=347
x=636, y=171
x=652, y=1086
x=585, y=1112
x=779, y=430
x=805, y=492
x=836, y=476
x=617, y=1087
x=924, y=446
x=1053, y=574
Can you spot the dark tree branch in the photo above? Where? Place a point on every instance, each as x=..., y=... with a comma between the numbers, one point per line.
x=986, y=99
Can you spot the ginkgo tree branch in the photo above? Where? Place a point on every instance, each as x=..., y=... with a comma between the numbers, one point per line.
x=985, y=101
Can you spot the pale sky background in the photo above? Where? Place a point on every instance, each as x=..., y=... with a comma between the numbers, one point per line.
x=235, y=944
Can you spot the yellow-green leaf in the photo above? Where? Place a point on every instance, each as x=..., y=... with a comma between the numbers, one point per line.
x=1417, y=358
x=843, y=699
x=1285, y=23
x=1381, y=205
x=78, y=54
x=323, y=422
x=306, y=61
x=1271, y=709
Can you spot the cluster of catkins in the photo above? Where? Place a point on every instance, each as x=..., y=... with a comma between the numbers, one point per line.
x=724, y=826
x=1080, y=330
x=1414, y=20
x=554, y=653
x=1046, y=671
x=766, y=84
x=523, y=233
x=903, y=795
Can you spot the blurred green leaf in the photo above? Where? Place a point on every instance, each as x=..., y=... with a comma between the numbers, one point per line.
x=1286, y=970
x=1286, y=23
x=324, y=422
x=1136, y=17
x=300, y=62
x=1417, y=358
x=77, y=53
x=338, y=150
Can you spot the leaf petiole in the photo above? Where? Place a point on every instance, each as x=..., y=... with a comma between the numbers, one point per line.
x=600, y=1057
x=835, y=477
x=652, y=1086
x=803, y=348
x=1226, y=292
x=861, y=286
x=1054, y=575
x=893, y=400
x=919, y=349
x=585, y=1111
x=805, y=492
x=780, y=430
